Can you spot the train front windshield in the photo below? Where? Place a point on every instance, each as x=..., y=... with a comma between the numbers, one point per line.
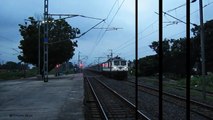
x=123, y=63
x=116, y=63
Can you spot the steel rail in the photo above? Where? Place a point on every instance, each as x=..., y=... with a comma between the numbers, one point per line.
x=98, y=101
x=178, y=97
x=125, y=100
x=196, y=103
x=181, y=87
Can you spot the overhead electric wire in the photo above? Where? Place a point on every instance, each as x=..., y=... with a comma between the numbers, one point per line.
x=128, y=41
x=115, y=14
x=165, y=13
x=108, y=14
x=138, y=39
x=110, y=22
x=180, y=6
x=79, y=35
x=146, y=46
x=102, y=20
x=190, y=14
x=127, y=45
x=176, y=7
x=5, y=53
x=74, y=15
x=177, y=34
x=3, y=46
x=7, y=38
x=107, y=26
x=171, y=23
x=111, y=9
x=91, y=28
x=198, y=9
x=130, y=53
x=93, y=48
x=119, y=47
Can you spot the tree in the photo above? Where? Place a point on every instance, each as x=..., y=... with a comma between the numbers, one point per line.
x=61, y=43
x=176, y=63
x=208, y=35
x=148, y=65
x=174, y=51
x=10, y=65
x=165, y=44
x=174, y=55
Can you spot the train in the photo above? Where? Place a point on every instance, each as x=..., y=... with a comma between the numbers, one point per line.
x=115, y=67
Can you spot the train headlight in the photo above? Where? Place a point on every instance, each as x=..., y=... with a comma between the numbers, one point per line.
x=114, y=67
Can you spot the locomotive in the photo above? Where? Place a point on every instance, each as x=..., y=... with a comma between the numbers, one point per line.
x=114, y=67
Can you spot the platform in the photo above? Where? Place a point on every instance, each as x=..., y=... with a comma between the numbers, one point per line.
x=30, y=99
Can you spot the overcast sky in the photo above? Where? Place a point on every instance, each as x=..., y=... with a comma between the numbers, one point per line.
x=97, y=42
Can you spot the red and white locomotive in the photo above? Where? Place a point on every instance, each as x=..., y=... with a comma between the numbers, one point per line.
x=114, y=67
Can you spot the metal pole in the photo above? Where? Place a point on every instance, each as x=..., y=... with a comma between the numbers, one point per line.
x=160, y=59
x=79, y=61
x=111, y=55
x=45, y=65
x=202, y=47
x=136, y=59
x=39, y=51
x=188, y=64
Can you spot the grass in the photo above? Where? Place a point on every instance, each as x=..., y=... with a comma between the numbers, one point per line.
x=16, y=74
x=179, y=84
x=197, y=82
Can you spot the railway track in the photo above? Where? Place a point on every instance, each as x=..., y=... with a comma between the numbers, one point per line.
x=111, y=104
x=148, y=102
x=196, y=107
x=210, y=93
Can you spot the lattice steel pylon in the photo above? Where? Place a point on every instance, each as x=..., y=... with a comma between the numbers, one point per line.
x=45, y=64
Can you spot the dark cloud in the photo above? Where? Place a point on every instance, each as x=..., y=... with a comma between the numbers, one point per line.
x=13, y=12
